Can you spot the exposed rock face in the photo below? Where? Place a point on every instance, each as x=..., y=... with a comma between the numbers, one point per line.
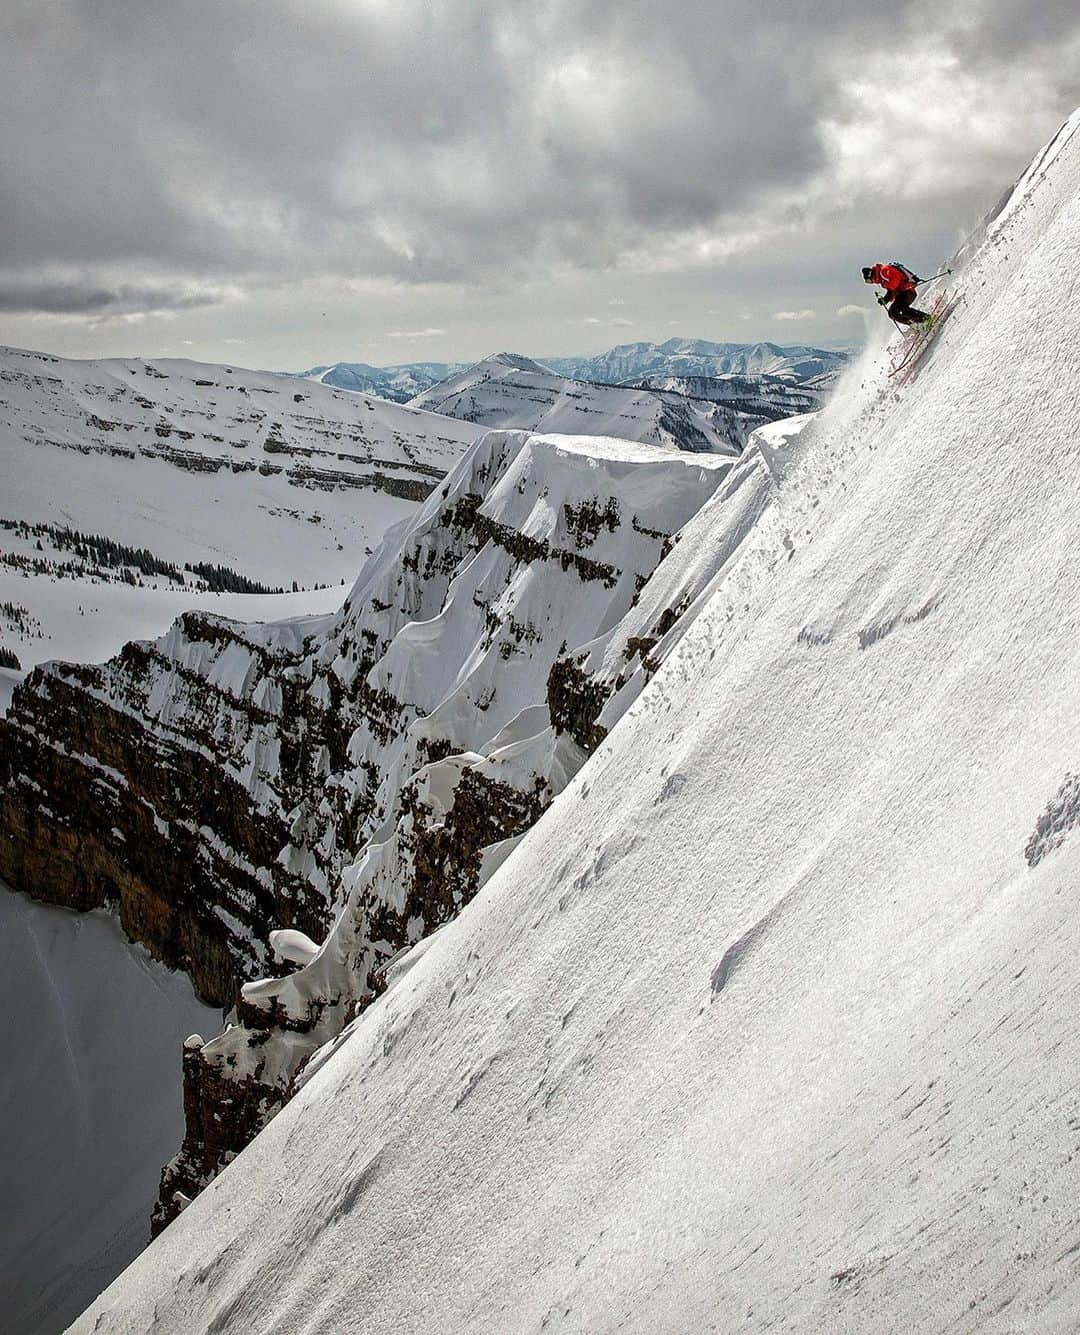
x=575, y=702
x=221, y=1114
x=228, y=780
x=112, y=800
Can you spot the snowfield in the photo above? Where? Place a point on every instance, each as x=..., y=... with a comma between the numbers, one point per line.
x=266, y=473
x=770, y=1021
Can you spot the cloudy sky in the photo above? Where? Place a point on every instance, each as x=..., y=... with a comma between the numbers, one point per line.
x=280, y=183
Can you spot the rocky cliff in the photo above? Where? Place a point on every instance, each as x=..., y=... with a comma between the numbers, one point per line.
x=230, y=786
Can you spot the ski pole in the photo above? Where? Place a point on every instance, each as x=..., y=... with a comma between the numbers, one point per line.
x=931, y=279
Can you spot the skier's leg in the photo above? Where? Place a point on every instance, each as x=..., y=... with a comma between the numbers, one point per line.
x=902, y=310
x=898, y=309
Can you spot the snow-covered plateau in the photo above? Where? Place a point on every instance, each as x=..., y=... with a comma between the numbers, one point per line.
x=170, y=477
x=768, y=1020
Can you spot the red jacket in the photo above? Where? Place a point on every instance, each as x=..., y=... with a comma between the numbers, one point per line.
x=891, y=278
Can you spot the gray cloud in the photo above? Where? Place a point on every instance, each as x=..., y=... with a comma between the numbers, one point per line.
x=197, y=144
x=87, y=297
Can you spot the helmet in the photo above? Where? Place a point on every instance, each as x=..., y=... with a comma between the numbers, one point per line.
x=868, y=275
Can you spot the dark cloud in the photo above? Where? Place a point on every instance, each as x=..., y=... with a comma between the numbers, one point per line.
x=266, y=140
x=85, y=297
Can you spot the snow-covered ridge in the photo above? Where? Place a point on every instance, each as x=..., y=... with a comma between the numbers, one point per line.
x=447, y=824
x=758, y=399
x=507, y=390
x=770, y=1020
x=214, y=784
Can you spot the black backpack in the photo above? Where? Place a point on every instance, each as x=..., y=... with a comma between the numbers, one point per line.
x=906, y=271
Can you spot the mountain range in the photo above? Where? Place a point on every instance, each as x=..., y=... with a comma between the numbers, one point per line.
x=698, y=357
x=507, y=390
x=630, y=362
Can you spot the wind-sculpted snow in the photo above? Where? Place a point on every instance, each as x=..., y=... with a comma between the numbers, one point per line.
x=507, y=390
x=767, y=1023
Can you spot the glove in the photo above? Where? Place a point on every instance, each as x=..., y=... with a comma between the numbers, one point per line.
x=884, y=299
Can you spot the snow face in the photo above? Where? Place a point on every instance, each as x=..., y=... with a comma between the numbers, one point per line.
x=507, y=390
x=90, y=1103
x=770, y=1021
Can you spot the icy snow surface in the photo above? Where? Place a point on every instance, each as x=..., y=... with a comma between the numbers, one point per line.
x=770, y=1023
x=90, y=1104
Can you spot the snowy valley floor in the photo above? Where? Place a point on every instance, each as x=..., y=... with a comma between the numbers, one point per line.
x=90, y=1107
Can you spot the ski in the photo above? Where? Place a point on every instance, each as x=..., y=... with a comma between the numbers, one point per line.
x=911, y=352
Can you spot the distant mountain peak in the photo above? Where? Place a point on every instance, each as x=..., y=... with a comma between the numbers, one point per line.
x=517, y=361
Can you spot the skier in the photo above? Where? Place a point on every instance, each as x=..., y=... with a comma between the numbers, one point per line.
x=900, y=285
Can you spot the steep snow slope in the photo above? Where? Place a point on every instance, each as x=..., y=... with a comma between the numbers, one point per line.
x=281, y=482
x=770, y=1021
x=90, y=1102
x=507, y=390
x=698, y=357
